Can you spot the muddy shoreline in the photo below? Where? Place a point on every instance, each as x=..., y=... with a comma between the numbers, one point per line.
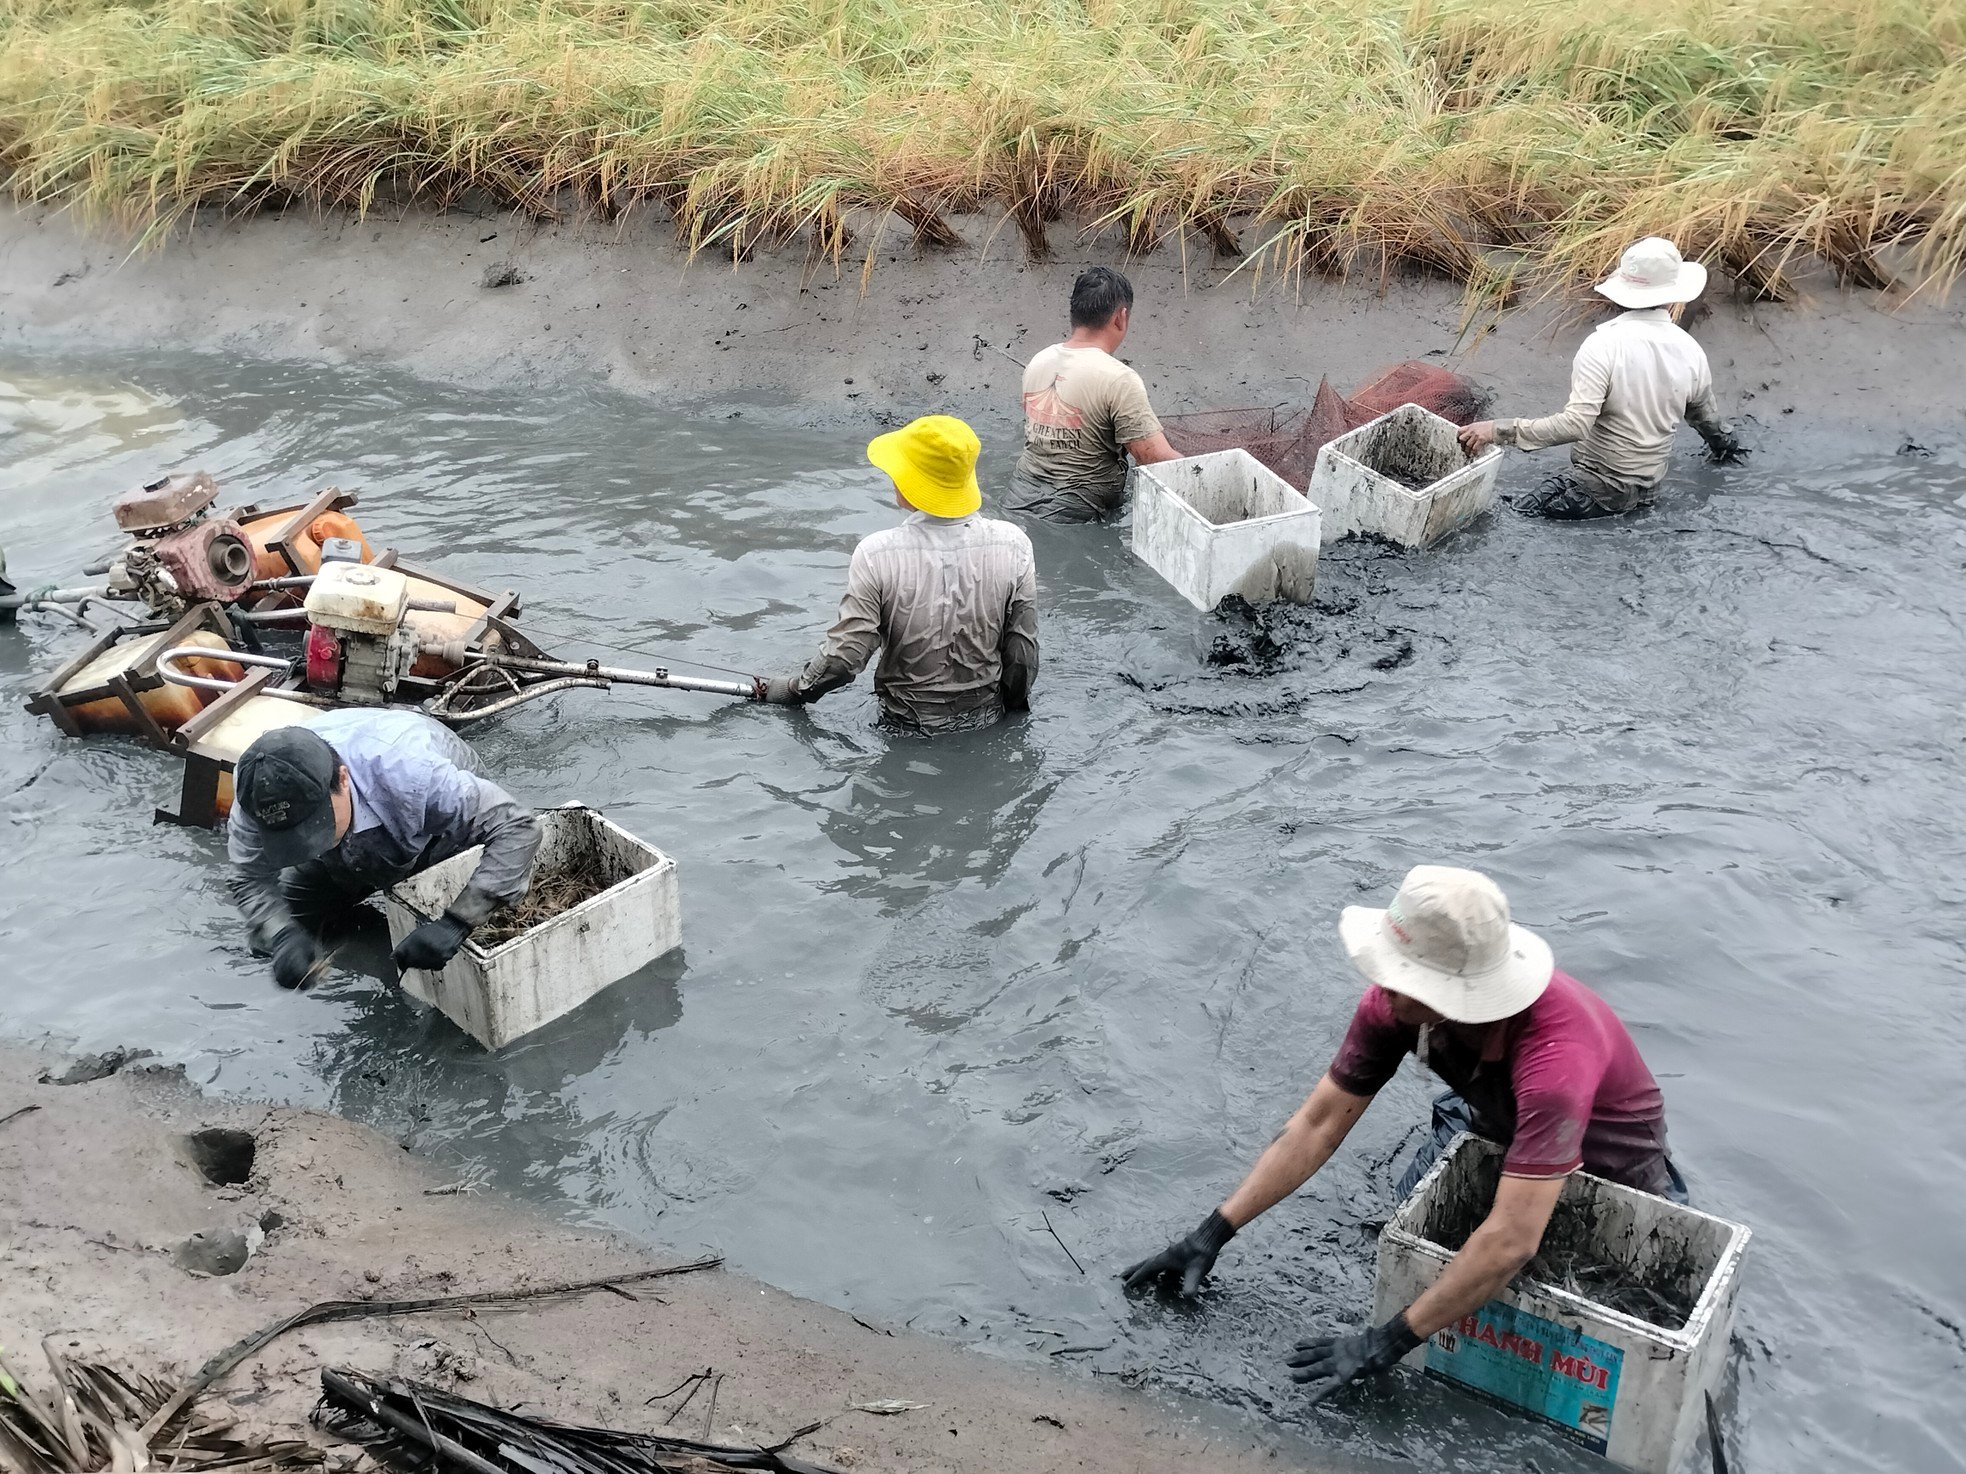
x=915, y=332
x=98, y=1189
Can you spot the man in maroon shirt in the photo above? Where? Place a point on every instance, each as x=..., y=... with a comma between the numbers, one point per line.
x=1536, y=1061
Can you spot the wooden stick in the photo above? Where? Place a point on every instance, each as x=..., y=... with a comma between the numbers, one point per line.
x=337, y=1310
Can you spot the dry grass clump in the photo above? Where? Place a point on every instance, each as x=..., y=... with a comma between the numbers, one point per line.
x=1471, y=137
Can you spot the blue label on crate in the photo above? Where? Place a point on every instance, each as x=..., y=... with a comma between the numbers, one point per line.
x=1547, y=1370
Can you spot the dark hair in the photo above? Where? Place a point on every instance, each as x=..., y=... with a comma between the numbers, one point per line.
x=1099, y=292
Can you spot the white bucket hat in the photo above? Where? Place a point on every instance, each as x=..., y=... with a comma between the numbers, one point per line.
x=1447, y=941
x=1653, y=274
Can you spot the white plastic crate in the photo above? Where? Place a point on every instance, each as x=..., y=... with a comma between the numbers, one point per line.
x=1402, y=477
x=1622, y=1386
x=501, y=994
x=1224, y=523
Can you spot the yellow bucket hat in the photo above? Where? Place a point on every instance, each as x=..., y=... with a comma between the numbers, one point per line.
x=932, y=463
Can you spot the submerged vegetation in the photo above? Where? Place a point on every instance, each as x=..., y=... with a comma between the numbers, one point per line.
x=1476, y=138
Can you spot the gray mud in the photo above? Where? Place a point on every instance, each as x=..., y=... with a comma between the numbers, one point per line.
x=117, y=1245
x=1082, y=965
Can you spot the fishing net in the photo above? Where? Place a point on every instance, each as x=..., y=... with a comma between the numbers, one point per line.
x=1287, y=440
x=1450, y=395
x=1275, y=437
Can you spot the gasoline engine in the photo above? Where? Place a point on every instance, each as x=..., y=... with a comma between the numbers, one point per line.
x=360, y=643
x=376, y=633
x=180, y=553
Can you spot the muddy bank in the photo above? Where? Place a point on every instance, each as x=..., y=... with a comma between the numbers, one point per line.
x=581, y=300
x=102, y=1192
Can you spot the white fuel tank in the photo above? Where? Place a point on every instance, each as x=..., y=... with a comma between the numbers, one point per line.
x=358, y=598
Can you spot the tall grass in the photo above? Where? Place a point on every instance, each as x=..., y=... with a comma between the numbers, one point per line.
x=1472, y=137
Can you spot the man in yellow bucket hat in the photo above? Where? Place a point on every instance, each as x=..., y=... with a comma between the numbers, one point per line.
x=948, y=597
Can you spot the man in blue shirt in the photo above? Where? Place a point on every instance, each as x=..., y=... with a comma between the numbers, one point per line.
x=328, y=813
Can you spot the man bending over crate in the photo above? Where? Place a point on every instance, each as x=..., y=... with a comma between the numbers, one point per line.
x=1535, y=1061
x=330, y=812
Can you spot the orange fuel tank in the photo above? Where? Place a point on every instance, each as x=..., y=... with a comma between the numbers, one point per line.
x=306, y=544
x=169, y=706
x=339, y=524
x=267, y=561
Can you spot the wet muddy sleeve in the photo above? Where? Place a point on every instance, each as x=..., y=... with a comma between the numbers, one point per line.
x=254, y=883
x=1590, y=381
x=1133, y=416
x=1017, y=651
x=1703, y=414
x=508, y=832
x=854, y=637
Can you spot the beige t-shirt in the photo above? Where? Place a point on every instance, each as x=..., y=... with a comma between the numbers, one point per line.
x=1081, y=408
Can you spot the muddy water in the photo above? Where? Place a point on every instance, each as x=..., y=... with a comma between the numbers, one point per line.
x=1080, y=967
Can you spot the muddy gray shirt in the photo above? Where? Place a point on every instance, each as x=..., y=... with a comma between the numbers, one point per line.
x=419, y=798
x=1632, y=382
x=951, y=604
x=1082, y=408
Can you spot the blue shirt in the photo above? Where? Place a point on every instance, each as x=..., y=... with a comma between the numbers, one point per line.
x=418, y=798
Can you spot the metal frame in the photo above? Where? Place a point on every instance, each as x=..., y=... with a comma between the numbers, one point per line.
x=197, y=804
x=503, y=604
x=127, y=686
x=197, y=800
x=327, y=499
x=256, y=681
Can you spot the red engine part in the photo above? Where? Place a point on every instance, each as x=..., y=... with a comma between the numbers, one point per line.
x=323, y=658
x=208, y=560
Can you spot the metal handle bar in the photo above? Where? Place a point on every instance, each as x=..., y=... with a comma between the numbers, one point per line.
x=167, y=668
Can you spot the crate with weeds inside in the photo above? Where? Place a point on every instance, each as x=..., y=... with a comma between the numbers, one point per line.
x=602, y=904
x=1615, y=1333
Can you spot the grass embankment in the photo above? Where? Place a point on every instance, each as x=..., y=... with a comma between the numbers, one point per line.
x=1463, y=136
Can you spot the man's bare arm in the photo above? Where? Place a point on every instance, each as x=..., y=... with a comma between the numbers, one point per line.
x=1305, y=1144
x=1493, y=1255
x=1507, y=1239
x=1152, y=449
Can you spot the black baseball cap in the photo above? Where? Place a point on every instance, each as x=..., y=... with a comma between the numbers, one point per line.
x=285, y=782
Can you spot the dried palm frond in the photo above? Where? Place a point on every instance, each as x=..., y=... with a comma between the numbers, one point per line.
x=416, y=1427
x=92, y=1419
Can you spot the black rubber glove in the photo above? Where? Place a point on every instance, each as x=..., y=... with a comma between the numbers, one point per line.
x=1188, y=1259
x=1725, y=450
x=784, y=691
x=1330, y=1362
x=294, y=956
x=431, y=945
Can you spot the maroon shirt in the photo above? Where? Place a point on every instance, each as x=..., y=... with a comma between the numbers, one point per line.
x=1560, y=1084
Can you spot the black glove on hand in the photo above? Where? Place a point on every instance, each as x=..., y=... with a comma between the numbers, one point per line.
x=1188, y=1259
x=784, y=691
x=431, y=945
x=1727, y=451
x=294, y=955
x=1331, y=1362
